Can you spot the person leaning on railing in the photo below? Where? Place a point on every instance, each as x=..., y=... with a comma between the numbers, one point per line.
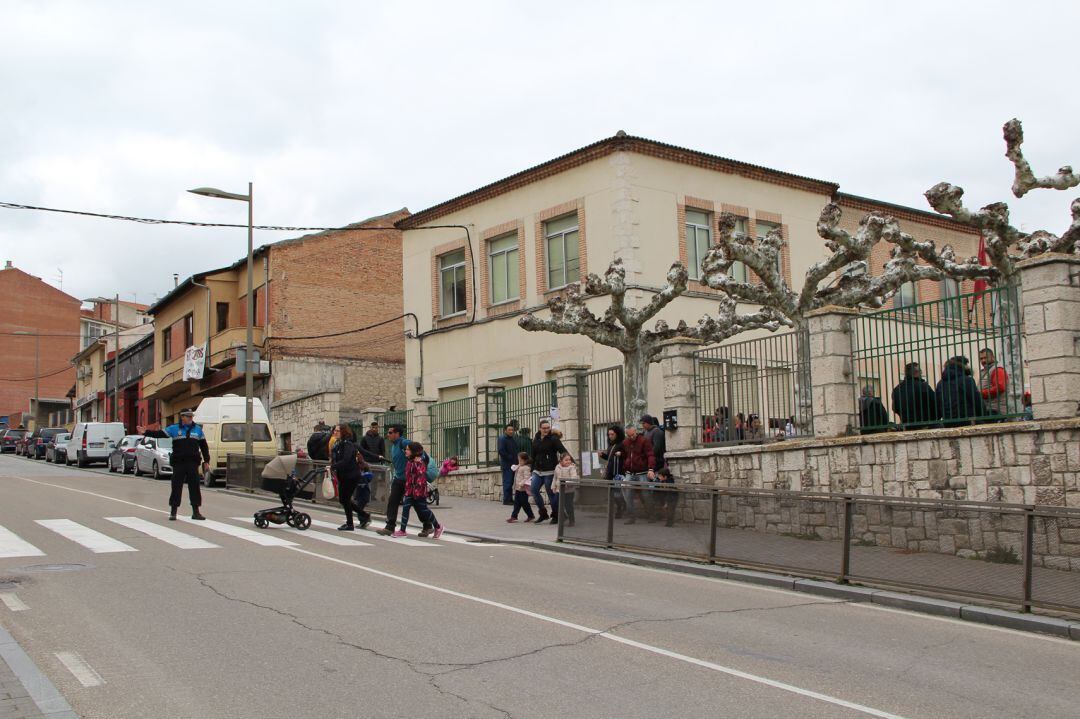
x=958, y=396
x=993, y=383
x=914, y=401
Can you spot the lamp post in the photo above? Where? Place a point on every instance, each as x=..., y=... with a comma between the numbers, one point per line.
x=249, y=376
x=37, y=370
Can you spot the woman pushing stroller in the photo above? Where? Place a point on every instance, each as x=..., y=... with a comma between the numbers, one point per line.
x=349, y=467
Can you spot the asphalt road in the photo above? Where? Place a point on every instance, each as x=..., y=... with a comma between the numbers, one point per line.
x=454, y=629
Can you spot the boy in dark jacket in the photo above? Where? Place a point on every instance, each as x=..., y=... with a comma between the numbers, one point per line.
x=372, y=445
x=958, y=396
x=914, y=401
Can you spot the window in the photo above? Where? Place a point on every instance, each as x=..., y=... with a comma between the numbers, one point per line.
x=764, y=228
x=234, y=432
x=737, y=271
x=189, y=331
x=166, y=344
x=503, y=268
x=906, y=296
x=561, y=237
x=698, y=239
x=452, y=283
x=950, y=292
x=222, y=316
x=151, y=411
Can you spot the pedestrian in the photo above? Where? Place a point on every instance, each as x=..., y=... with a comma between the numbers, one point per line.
x=914, y=401
x=638, y=464
x=508, y=452
x=416, y=482
x=523, y=438
x=993, y=383
x=873, y=417
x=740, y=427
x=754, y=431
x=668, y=499
x=349, y=466
x=522, y=483
x=188, y=443
x=655, y=433
x=613, y=464
x=398, y=444
x=546, y=448
x=566, y=470
x=372, y=445
x=958, y=396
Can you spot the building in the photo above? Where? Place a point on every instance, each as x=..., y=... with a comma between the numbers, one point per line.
x=94, y=378
x=311, y=295
x=98, y=320
x=535, y=232
x=39, y=332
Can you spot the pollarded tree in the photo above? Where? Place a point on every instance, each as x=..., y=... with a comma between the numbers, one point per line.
x=623, y=328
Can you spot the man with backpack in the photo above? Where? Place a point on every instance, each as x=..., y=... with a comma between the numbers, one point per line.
x=398, y=461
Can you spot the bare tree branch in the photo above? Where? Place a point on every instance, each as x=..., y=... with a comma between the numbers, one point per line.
x=1025, y=180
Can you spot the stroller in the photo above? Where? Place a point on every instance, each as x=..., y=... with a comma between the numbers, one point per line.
x=285, y=514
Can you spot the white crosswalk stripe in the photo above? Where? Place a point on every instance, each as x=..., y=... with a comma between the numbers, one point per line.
x=371, y=534
x=249, y=535
x=169, y=536
x=92, y=539
x=12, y=545
x=319, y=536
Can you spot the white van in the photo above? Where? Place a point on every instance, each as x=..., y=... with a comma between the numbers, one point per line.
x=222, y=420
x=93, y=441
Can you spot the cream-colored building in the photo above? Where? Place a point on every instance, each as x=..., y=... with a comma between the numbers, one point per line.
x=648, y=203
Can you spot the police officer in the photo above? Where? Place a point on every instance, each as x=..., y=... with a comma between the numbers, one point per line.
x=188, y=443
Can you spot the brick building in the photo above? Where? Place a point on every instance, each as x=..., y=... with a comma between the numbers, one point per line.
x=33, y=306
x=308, y=291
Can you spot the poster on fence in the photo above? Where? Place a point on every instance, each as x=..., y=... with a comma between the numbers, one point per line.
x=194, y=361
x=586, y=464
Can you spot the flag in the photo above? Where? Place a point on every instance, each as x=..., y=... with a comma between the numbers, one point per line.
x=981, y=284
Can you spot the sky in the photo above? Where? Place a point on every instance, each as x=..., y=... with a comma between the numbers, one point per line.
x=342, y=111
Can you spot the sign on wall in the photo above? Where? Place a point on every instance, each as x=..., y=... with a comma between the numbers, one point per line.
x=194, y=362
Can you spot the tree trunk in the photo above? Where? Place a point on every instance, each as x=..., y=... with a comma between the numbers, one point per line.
x=635, y=385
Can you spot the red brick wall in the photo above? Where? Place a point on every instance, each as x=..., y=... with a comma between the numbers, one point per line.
x=337, y=281
x=28, y=304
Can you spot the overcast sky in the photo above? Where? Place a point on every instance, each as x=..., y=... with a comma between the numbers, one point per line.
x=340, y=111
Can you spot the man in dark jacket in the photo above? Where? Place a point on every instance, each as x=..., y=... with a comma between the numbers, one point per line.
x=652, y=430
x=546, y=448
x=508, y=452
x=914, y=401
x=398, y=443
x=958, y=396
x=372, y=445
x=188, y=443
x=638, y=464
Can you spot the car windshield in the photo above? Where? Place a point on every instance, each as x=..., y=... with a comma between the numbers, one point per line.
x=16, y=433
x=50, y=433
x=235, y=432
x=164, y=442
x=63, y=437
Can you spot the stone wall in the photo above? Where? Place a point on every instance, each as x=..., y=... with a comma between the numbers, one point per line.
x=361, y=383
x=298, y=416
x=1022, y=463
x=477, y=483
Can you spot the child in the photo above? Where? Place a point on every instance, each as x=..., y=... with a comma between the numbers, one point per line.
x=566, y=470
x=522, y=481
x=667, y=500
x=416, y=491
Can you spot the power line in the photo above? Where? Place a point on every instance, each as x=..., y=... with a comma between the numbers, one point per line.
x=339, y=334
x=40, y=376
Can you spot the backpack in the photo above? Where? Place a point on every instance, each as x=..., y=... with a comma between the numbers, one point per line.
x=432, y=470
x=318, y=444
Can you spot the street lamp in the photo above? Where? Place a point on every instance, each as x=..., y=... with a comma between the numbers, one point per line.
x=37, y=370
x=249, y=376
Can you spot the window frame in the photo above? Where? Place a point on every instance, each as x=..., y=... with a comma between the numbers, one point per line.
x=512, y=294
x=222, y=326
x=166, y=344
x=691, y=230
x=950, y=297
x=761, y=235
x=548, y=237
x=898, y=301
x=189, y=331
x=462, y=265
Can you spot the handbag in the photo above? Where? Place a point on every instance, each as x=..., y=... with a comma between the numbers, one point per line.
x=329, y=486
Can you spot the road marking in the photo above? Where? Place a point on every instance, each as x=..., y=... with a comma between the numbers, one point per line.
x=372, y=534
x=92, y=539
x=602, y=634
x=12, y=545
x=80, y=669
x=169, y=536
x=13, y=602
x=328, y=538
x=249, y=535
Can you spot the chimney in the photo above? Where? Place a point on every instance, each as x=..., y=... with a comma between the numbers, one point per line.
x=175, y=280
x=8, y=265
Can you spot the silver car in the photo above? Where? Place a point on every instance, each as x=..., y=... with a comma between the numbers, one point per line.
x=153, y=455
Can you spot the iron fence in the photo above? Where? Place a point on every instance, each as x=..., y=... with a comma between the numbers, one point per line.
x=1020, y=555
x=525, y=406
x=754, y=391
x=390, y=418
x=600, y=402
x=454, y=431
x=949, y=362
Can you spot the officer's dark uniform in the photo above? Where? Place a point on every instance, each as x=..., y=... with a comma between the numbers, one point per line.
x=189, y=450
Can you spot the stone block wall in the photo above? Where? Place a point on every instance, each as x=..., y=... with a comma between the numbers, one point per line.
x=475, y=483
x=298, y=416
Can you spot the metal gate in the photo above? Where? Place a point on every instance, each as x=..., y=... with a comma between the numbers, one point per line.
x=600, y=399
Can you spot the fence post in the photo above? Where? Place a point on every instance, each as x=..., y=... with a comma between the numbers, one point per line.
x=832, y=382
x=488, y=419
x=612, y=489
x=713, y=515
x=845, y=555
x=371, y=414
x=1051, y=299
x=1029, y=550
x=568, y=398
x=422, y=420
x=680, y=393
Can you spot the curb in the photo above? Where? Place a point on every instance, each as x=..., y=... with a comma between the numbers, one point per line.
x=46, y=696
x=1062, y=628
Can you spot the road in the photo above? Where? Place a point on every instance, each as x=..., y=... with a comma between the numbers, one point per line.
x=205, y=623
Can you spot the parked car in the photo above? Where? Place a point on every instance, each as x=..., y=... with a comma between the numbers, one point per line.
x=22, y=443
x=39, y=439
x=56, y=449
x=9, y=437
x=122, y=457
x=222, y=421
x=93, y=441
x=153, y=455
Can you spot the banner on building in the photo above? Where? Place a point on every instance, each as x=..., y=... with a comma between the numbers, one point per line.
x=194, y=362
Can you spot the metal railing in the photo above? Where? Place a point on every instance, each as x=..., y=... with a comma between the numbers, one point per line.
x=1020, y=555
x=600, y=400
x=525, y=405
x=453, y=431
x=753, y=391
x=389, y=419
x=920, y=365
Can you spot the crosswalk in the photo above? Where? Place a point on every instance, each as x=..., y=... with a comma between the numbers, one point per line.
x=100, y=541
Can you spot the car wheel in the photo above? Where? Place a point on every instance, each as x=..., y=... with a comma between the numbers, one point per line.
x=112, y=467
x=125, y=469
x=157, y=471
x=137, y=469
